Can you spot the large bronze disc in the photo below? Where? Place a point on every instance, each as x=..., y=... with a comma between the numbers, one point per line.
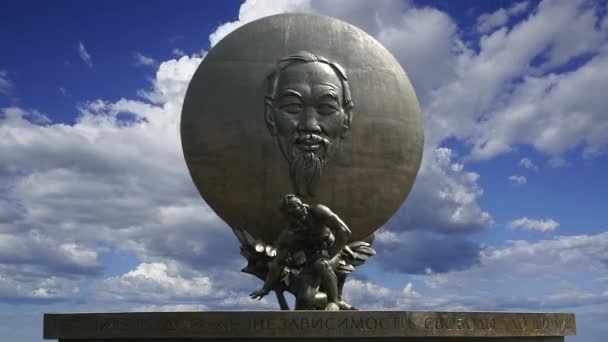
x=239, y=166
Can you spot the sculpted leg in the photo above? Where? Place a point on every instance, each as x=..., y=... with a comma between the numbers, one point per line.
x=341, y=302
x=341, y=281
x=306, y=295
x=329, y=281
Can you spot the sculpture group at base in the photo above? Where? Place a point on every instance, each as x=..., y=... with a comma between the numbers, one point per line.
x=310, y=259
x=308, y=108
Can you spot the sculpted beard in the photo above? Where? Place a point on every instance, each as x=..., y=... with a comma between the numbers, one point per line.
x=305, y=167
x=305, y=171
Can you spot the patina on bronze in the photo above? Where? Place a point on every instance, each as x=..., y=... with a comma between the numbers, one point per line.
x=368, y=137
x=309, y=108
x=310, y=105
x=311, y=259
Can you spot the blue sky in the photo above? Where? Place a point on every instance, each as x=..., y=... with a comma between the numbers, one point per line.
x=98, y=212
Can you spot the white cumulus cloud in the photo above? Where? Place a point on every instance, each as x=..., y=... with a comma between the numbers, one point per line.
x=544, y=225
x=517, y=180
x=488, y=21
x=251, y=10
x=551, y=110
x=522, y=259
x=527, y=163
x=444, y=198
x=104, y=179
x=409, y=292
x=155, y=283
x=178, y=52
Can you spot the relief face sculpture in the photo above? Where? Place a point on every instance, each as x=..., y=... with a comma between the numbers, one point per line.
x=308, y=108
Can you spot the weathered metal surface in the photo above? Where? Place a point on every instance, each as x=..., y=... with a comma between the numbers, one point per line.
x=311, y=259
x=238, y=165
x=306, y=324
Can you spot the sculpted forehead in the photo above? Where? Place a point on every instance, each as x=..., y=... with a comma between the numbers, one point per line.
x=294, y=201
x=308, y=75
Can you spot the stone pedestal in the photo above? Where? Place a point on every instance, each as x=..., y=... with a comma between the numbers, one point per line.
x=385, y=326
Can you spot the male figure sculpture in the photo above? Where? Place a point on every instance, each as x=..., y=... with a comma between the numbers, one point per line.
x=321, y=236
x=308, y=107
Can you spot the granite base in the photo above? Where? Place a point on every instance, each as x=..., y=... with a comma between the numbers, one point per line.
x=305, y=326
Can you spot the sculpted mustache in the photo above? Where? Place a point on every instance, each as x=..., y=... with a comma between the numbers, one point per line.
x=311, y=138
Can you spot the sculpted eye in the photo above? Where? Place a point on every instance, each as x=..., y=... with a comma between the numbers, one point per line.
x=326, y=109
x=292, y=108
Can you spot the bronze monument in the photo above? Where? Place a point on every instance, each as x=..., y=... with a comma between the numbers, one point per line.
x=341, y=130
x=317, y=124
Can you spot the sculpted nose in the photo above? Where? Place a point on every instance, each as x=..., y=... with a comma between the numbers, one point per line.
x=308, y=122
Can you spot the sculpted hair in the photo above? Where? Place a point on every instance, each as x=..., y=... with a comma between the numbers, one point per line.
x=285, y=201
x=308, y=57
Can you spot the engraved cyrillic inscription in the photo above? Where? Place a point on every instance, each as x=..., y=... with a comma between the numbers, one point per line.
x=307, y=324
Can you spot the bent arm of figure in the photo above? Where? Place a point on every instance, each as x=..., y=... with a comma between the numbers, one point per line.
x=342, y=234
x=275, y=268
x=338, y=228
x=274, y=274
